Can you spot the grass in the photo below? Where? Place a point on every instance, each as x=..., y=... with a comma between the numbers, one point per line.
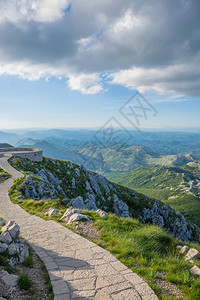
x=24, y=282
x=4, y=175
x=148, y=250
x=28, y=261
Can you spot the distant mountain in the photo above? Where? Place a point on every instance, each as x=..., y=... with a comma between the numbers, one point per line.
x=178, y=187
x=108, y=160
x=163, y=143
x=5, y=145
x=10, y=138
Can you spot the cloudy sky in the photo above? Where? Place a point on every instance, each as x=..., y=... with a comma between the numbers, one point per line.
x=75, y=63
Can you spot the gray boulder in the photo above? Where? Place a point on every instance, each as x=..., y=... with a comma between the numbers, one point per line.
x=73, y=215
x=3, y=247
x=121, y=209
x=5, y=237
x=52, y=211
x=101, y=213
x=192, y=254
x=90, y=205
x=77, y=217
x=69, y=212
x=77, y=202
x=9, y=279
x=195, y=271
x=65, y=201
x=12, y=228
x=22, y=251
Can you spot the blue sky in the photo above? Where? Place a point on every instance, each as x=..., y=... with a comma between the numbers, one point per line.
x=75, y=63
x=51, y=104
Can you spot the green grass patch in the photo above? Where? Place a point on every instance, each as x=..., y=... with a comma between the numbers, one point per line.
x=24, y=282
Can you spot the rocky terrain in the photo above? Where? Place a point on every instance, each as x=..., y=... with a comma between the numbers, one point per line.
x=80, y=188
x=20, y=269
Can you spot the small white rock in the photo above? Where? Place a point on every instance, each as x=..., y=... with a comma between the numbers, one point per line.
x=192, y=254
x=101, y=213
x=184, y=249
x=195, y=271
x=53, y=211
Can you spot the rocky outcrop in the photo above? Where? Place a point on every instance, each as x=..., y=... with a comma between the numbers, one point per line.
x=16, y=247
x=77, y=202
x=162, y=215
x=87, y=190
x=12, y=228
x=121, y=209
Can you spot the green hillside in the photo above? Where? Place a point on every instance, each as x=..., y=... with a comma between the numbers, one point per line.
x=178, y=187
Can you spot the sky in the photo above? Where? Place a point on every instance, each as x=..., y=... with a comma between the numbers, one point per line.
x=74, y=64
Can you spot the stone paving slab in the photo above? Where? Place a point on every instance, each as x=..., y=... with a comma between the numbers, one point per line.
x=78, y=268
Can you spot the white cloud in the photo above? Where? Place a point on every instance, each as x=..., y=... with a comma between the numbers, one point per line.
x=169, y=79
x=86, y=84
x=146, y=44
x=35, y=10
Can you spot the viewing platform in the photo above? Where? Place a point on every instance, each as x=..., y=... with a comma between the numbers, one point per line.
x=32, y=154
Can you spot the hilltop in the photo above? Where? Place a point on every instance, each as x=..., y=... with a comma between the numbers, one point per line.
x=5, y=145
x=178, y=187
x=76, y=186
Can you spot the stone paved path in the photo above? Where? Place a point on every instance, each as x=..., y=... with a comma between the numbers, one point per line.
x=78, y=268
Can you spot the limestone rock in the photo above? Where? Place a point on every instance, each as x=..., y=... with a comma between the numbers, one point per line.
x=53, y=211
x=121, y=209
x=12, y=228
x=192, y=254
x=21, y=250
x=73, y=183
x=5, y=237
x=9, y=279
x=73, y=215
x=101, y=213
x=90, y=203
x=77, y=202
x=195, y=271
x=69, y=212
x=77, y=217
x=184, y=249
x=3, y=247
x=65, y=201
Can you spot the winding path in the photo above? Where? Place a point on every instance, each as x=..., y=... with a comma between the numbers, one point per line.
x=78, y=268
